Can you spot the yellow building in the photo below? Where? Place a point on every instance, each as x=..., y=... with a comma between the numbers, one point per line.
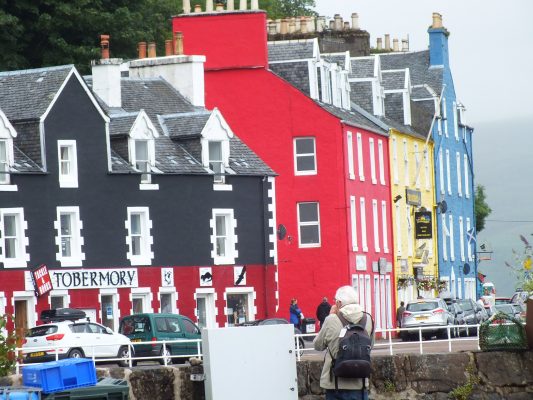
x=413, y=215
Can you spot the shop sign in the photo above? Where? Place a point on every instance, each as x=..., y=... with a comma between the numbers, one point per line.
x=42, y=283
x=95, y=278
x=423, y=225
x=413, y=197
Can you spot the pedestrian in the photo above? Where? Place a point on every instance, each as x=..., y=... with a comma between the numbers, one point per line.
x=399, y=314
x=295, y=313
x=322, y=311
x=328, y=338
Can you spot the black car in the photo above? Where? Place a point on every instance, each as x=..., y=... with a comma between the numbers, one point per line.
x=471, y=314
x=278, y=321
x=458, y=319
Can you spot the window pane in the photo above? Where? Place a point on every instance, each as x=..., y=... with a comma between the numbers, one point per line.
x=66, y=228
x=141, y=150
x=137, y=305
x=11, y=248
x=221, y=247
x=220, y=225
x=305, y=146
x=305, y=163
x=56, y=302
x=65, y=153
x=309, y=234
x=3, y=151
x=10, y=225
x=215, y=151
x=166, y=303
x=66, y=247
x=135, y=224
x=308, y=212
x=136, y=246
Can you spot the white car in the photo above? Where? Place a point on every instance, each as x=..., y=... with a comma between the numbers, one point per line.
x=77, y=339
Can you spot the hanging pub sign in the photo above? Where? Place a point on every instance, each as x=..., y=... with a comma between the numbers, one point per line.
x=423, y=225
x=413, y=197
x=42, y=283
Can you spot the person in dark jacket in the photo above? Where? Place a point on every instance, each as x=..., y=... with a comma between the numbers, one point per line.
x=295, y=313
x=322, y=311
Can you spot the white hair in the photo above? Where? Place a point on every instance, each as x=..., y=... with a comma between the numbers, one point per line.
x=346, y=295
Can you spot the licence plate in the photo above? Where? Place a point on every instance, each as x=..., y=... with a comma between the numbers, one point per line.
x=422, y=317
x=37, y=354
x=136, y=340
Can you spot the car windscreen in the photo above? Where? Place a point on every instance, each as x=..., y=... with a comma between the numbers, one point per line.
x=426, y=306
x=42, y=330
x=466, y=305
x=506, y=308
x=135, y=324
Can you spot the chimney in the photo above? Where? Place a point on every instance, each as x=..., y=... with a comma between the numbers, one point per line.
x=168, y=47
x=272, y=28
x=141, y=48
x=338, y=22
x=284, y=28
x=151, y=50
x=230, y=6
x=321, y=24
x=209, y=6
x=379, y=44
x=332, y=25
x=104, y=46
x=437, y=21
x=278, y=25
x=395, y=45
x=346, y=25
x=303, y=24
x=405, y=45
x=106, y=76
x=255, y=5
x=243, y=5
x=311, y=24
x=187, y=6
x=355, y=21
x=219, y=7
x=197, y=8
x=178, y=43
x=387, y=41
x=292, y=25
x=297, y=24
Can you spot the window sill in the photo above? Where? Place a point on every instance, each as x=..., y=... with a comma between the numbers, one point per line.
x=224, y=261
x=304, y=173
x=148, y=186
x=140, y=260
x=222, y=187
x=309, y=246
x=68, y=185
x=15, y=263
x=71, y=262
x=8, y=188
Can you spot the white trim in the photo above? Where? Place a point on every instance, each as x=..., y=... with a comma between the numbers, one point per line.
x=297, y=155
x=459, y=176
x=372, y=160
x=116, y=309
x=353, y=219
x=149, y=186
x=452, y=242
x=69, y=180
x=174, y=298
x=251, y=296
x=351, y=167
x=146, y=255
x=76, y=225
x=445, y=234
x=145, y=295
x=467, y=180
x=444, y=115
x=441, y=171
x=231, y=240
x=417, y=166
x=468, y=244
x=426, y=169
x=405, y=162
x=272, y=222
x=375, y=220
x=22, y=241
x=455, y=121
x=222, y=187
x=399, y=230
x=360, y=157
x=410, y=234
x=308, y=223
x=362, y=210
x=384, y=226
x=59, y=293
x=461, y=238
x=448, y=172
x=31, y=301
x=395, y=160
x=381, y=162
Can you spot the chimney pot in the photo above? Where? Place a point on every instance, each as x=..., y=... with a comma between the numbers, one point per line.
x=187, y=6
x=219, y=7
x=255, y=5
x=272, y=28
x=321, y=24
x=355, y=21
x=243, y=5
x=346, y=25
x=387, y=41
x=405, y=45
x=104, y=45
x=303, y=24
x=292, y=25
x=284, y=28
x=395, y=45
x=151, y=50
x=297, y=26
x=338, y=22
x=168, y=47
x=379, y=43
x=197, y=8
x=332, y=25
x=437, y=20
x=209, y=6
x=141, y=48
x=178, y=43
x=311, y=24
x=230, y=6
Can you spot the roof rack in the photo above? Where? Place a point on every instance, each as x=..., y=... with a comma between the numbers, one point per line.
x=62, y=314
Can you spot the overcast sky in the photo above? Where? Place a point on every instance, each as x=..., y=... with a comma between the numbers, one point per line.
x=491, y=58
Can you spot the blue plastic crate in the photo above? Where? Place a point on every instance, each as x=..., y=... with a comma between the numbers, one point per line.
x=19, y=393
x=55, y=376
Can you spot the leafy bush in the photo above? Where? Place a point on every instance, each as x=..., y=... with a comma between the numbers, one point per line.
x=8, y=344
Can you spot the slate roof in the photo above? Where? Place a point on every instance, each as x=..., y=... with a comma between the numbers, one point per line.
x=121, y=124
x=393, y=80
x=418, y=64
x=362, y=67
x=361, y=94
x=27, y=94
x=337, y=58
x=290, y=50
x=22, y=163
x=296, y=73
x=353, y=117
x=186, y=124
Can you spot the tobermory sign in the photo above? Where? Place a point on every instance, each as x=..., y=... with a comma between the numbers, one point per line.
x=41, y=280
x=423, y=225
x=94, y=278
x=413, y=197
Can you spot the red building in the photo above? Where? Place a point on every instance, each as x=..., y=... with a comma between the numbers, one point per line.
x=332, y=192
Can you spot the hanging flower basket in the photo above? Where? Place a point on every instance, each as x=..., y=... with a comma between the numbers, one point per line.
x=403, y=283
x=440, y=285
x=425, y=284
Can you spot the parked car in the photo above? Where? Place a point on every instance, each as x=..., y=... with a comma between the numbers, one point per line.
x=458, y=319
x=432, y=313
x=472, y=314
x=76, y=340
x=278, y=321
x=502, y=300
x=520, y=296
x=152, y=327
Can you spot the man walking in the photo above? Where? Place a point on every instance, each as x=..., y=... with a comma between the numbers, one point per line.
x=328, y=338
x=399, y=314
x=322, y=311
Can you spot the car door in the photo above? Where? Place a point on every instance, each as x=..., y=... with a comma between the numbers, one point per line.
x=82, y=338
x=175, y=331
x=191, y=332
x=109, y=342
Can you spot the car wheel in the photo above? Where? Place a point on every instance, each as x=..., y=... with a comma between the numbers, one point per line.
x=75, y=353
x=124, y=354
x=166, y=354
x=443, y=334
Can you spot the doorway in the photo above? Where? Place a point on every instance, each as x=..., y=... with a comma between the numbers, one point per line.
x=109, y=310
x=205, y=310
x=21, y=320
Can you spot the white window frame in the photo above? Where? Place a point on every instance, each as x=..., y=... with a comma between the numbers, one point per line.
x=60, y=293
x=296, y=155
x=368, y=294
x=445, y=116
x=399, y=230
x=426, y=169
x=467, y=180
x=5, y=166
x=417, y=166
x=308, y=223
x=468, y=243
x=448, y=172
x=173, y=296
x=145, y=295
x=377, y=303
x=69, y=180
x=384, y=226
x=441, y=171
x=405, y=163
x=410, y=240
x=22, y=241
x=362, y=210
x=139, y=163
x=445, y=236
x=77, y=255
x=360, y=160
x=395, y=160
x=381, y=162
x=231, y=252
x=459, y=176
x=375, y=220
x=372, y=160
x=452, y=242
x=351, y=167
x=146, y=255
x=455, y=121
x=462, y=238
x=353, y=218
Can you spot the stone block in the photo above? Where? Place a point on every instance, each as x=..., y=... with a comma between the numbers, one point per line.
x=155, y=383
x=426, y=371
x=501, y=368
x=315, y=371
x=302, y=375
x=388, y=372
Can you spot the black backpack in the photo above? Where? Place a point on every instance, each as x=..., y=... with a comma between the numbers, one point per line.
x=353, y=357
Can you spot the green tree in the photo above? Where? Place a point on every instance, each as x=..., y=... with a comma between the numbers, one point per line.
x=481, y=207
x=8, y=344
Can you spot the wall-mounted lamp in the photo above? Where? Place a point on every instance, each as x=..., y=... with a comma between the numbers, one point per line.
x=397, y=198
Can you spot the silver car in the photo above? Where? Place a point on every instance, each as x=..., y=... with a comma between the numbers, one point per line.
x=426, y=313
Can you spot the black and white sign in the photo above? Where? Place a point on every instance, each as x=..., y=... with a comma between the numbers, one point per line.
x=239, y=275
x=167, y=277
x=206, y=276
x=95, y=278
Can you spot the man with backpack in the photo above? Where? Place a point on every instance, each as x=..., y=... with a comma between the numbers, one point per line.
x=348, y=336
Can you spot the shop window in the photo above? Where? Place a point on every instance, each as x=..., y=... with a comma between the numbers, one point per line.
x=238, y=308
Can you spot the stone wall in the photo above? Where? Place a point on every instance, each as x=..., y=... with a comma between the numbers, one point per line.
x=468, y=375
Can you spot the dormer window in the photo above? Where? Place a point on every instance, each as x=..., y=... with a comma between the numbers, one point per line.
x=215, y=142
x=7, y=133
x=142, y=149
x=142, y=159
x=216, y=161
x=4, y=162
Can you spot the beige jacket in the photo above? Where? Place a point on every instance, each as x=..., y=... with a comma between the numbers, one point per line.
x=328, y=337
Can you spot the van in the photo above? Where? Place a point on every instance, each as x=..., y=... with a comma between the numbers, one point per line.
x=152, y=327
